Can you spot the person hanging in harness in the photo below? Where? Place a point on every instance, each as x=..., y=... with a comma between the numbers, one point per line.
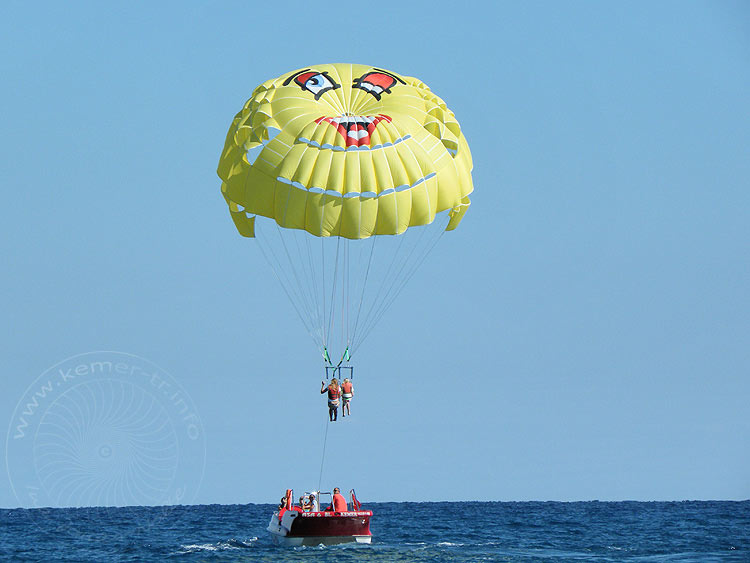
x=347, y=392
x=334, y=392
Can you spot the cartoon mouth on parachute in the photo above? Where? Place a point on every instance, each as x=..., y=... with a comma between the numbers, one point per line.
x=356, y=131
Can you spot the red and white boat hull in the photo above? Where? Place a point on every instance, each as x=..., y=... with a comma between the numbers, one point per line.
x=296, y=528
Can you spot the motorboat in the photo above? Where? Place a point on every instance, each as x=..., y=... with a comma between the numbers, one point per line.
x=295, y=525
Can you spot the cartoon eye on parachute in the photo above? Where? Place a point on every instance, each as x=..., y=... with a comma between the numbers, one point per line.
x=346, y=175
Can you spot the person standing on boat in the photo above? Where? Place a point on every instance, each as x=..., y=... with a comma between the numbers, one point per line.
x=347, y=392
x=334, y=392
x=339, y=502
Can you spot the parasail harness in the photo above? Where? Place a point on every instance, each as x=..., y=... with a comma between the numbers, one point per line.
x=331, y=372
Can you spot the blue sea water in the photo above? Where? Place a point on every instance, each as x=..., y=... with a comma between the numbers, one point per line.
x=436, y=531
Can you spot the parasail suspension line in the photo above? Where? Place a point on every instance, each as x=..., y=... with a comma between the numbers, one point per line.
x=285, y=284
x=379, y=293
x=364, y=286
x=323, y=285
x=323, y=457
x=333, y=286
x=386, y=303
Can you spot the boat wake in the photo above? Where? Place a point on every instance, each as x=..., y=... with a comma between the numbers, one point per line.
x=217, y=546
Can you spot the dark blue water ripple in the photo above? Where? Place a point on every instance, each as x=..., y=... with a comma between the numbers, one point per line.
x=403, y=532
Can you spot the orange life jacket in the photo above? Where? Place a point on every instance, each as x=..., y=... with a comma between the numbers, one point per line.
x=333, y=393
x=346, y=387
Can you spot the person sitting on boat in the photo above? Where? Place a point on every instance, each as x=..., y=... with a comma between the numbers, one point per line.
x=339, y=502
x=283, y=504
x=347, y=392
x=306, y=504
x=313, y=503
x=334, y=392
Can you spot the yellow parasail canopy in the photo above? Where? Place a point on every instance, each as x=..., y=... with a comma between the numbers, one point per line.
x=345, y=150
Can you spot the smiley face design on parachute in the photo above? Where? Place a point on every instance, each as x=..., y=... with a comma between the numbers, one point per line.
x=318, y=83
x=345, y=150
x=377, y=82
x=356, y=130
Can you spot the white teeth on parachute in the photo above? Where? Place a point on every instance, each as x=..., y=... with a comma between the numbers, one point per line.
x=348, y=120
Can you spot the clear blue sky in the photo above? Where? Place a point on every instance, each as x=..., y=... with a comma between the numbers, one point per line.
x=585, y=333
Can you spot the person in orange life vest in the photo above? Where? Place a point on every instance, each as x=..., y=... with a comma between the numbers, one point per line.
x=334, y=392
x=339, y=502
x=347, y=392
